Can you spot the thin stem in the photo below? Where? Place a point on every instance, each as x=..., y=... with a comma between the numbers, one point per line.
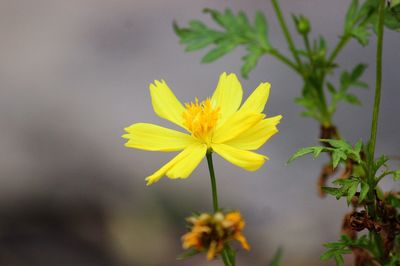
x=378, y=84
x=345, y=38
x=308, y=48
x=284, y=59
x=213, y=181
x=286, y=32
x=226, y=257
x=343, y=41
x=374, y=236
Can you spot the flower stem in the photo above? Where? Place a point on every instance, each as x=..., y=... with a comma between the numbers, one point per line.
x=213, y=181
x=286, y=32
x=378, y=84
x=375, y=238
x=227, y=257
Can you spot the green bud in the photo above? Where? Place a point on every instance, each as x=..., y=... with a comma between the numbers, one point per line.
x=303, y=25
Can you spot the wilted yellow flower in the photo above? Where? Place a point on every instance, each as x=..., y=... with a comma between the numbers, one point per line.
x=219, y=124
x=212, y=232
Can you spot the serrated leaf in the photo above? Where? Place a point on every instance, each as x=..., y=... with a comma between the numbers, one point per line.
x=317, y=151
x=381, y=161
x=396, y=175
x=328, y=254
x=357, y=72
x=364, y=191
x=217, y=52
x=303, y=151
x=262, y=28
x=392, y=17
x=361, y=34
x=350, y=16
x=338, y=155
x=351, y=192
x=353, y=99
x=250, y=61
x=236, y=31
x=358, y=146
x=331, y=191
x=359, y=84
x=337, y=143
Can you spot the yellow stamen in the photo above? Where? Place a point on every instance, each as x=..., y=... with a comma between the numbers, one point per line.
x=200, y=119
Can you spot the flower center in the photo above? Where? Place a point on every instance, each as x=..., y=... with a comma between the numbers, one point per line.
x=200, y=119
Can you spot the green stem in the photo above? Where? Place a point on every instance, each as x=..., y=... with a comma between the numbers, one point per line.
x=345, y=38
x=374, y=236
x=213, y=181
x=378, y=83
x=228, y=259
x=308, y=48
x=343, y=41
x=286, y=32
x=284, y=59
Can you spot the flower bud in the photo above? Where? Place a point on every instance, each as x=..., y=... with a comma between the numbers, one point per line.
x=303, y=25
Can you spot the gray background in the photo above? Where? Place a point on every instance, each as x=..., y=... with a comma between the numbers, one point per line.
x=74, y=73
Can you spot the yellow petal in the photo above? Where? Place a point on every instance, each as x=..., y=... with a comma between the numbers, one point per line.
x=239, y=237
x=257, y=100
x=165, y=104
x=248, y=160
x=212, y=250
x=155, y=138
x=227, y=95
x=182, y=165
x=257, y=135
x=235, y=125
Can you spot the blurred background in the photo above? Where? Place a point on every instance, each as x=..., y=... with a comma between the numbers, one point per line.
x=74, y=73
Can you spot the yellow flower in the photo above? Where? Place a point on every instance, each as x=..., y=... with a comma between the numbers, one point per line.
x=217, y=124
x=212, y=232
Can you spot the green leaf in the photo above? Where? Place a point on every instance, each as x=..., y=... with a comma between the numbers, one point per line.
x=336, y=250
x=331, y=88
x=348, y=187
x=357, y=72
x=337, y=156
x=332, y=191
x=352, y=191
x=351, y=98
x=303, y=151
x=218, y=52
x=381, y=161
x=350, y=16
x=361, y=34
x=234, y=30
x=261, y=26
x=187, y=254
x=336, y=143
x=277, y=258
x=396, y=175
x=392, y=17
x=364, y=191
x=250, y=60
x=340, y=151
x=394, y=200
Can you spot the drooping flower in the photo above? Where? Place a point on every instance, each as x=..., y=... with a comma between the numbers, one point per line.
x=216, y=124
x=211, y=232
